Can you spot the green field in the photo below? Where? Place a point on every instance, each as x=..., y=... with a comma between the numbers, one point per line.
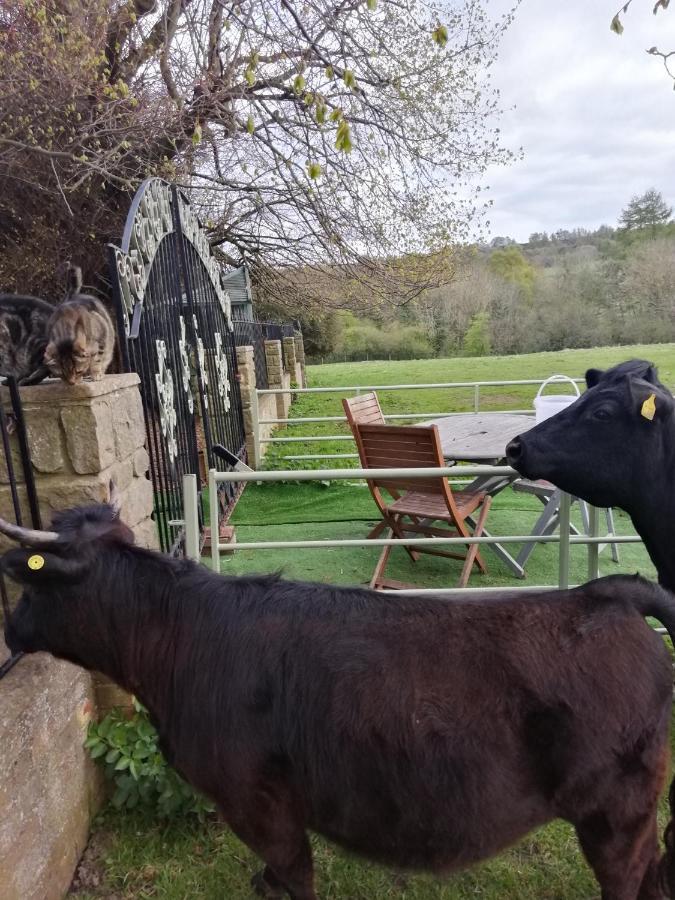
x=132, y=857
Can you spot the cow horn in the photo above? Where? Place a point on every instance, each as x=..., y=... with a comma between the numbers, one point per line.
x=27, y=535
x=115, y=500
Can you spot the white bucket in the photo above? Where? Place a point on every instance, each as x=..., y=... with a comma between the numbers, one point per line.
x=545, y=407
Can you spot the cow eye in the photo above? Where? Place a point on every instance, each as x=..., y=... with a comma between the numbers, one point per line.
x=602, y=414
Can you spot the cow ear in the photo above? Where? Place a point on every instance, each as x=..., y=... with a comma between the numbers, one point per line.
x=593, y=377
x=27, y=566
x=650, y=401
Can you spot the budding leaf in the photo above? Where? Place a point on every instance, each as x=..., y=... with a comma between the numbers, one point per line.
x=249, y=125
x=372, y=5
x=298, y=84
x=336, y=115
x=440, y=35
x=314, y=170
x=197, y=135
x=616, y=25
x=249, y=75
x=349, y=79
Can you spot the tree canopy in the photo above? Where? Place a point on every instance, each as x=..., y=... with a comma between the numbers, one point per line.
x=648, y=210
x=308, y=133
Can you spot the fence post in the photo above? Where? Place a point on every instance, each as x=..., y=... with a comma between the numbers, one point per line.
x=593, y=549
x=191, y=515
x=214, y=523
x=564, y=527
x=476, y=397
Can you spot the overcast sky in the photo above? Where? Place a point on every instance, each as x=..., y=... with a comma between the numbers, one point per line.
x=594, y=113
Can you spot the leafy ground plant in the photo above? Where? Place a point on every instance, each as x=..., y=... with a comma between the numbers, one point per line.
x=127, y=747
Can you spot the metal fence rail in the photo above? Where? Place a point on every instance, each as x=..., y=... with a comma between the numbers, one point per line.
x=564, y=539
x=257, y=422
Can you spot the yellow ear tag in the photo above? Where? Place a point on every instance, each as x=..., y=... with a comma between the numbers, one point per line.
x=36, y=562
x=648, y=410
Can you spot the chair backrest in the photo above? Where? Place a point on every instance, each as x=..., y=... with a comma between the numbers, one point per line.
x=404, y=446
x=364, y=408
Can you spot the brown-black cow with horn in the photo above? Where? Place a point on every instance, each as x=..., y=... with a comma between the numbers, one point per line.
x=415, y=731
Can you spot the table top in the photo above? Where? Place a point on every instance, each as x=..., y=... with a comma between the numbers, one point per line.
x=479, y=437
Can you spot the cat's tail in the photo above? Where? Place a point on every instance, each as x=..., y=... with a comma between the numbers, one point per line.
x=73, y=277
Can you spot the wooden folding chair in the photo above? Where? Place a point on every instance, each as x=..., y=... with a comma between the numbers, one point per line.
x=364, y=409
x=418, y=502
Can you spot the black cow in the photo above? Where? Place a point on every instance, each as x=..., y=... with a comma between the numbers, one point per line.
x=614, y=446
x=415, y=731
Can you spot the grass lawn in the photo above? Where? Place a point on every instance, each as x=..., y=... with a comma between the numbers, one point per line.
x=132, y=857
x=433, y=371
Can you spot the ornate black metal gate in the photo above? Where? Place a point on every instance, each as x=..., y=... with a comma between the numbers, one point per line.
x=176, y=332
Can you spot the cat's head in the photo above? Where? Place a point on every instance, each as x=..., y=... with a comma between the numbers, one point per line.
x=69, y=358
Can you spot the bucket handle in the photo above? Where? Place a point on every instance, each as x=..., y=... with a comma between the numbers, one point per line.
x=557, y=379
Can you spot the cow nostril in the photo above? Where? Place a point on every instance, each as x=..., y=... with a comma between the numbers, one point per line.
x=514, y=450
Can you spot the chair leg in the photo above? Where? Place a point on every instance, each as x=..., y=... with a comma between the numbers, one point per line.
x=395, y=525
x=380, y=567
x=473, y=555
x=377, y=530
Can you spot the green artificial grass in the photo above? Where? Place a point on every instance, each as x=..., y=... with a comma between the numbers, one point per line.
x=317, y=511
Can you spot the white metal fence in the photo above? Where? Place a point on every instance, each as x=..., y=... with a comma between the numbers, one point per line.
x=564, y=538
x=257, y=422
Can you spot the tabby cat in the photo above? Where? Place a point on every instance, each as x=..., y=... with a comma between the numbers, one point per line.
x=23, y=337
x=81, y=339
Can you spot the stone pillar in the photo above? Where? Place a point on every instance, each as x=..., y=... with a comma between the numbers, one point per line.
x=300, y=357
x=288, y=344
x=79, y=437
x=247, y=385
x=277, y=377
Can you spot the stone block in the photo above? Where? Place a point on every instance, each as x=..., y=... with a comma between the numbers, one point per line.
x=62, y=492
x=137, y=501
x=89, y=436
x=145, y=533
x=55, y=392
x=122, y=473
x=46, y=440
x=128, y=423
x=141, y=461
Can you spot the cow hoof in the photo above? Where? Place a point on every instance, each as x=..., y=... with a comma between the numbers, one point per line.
x=263, y=888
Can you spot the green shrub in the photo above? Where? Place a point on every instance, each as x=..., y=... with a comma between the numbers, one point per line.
x=127, y=749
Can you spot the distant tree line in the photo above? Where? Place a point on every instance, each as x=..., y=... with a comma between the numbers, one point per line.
x=571, y=288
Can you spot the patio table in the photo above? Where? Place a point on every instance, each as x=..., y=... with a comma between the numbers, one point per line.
x=482, y=438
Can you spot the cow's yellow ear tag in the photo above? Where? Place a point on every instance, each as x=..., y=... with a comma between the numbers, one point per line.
x=36, y=562
x=648, y=410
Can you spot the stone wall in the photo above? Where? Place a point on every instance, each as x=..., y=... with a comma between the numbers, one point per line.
x=285, y=361
x=49, y=787
x=80, y=438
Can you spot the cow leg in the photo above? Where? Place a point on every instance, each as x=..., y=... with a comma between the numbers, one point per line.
x=624, y=856
x=286, y=871
x=267, y=821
